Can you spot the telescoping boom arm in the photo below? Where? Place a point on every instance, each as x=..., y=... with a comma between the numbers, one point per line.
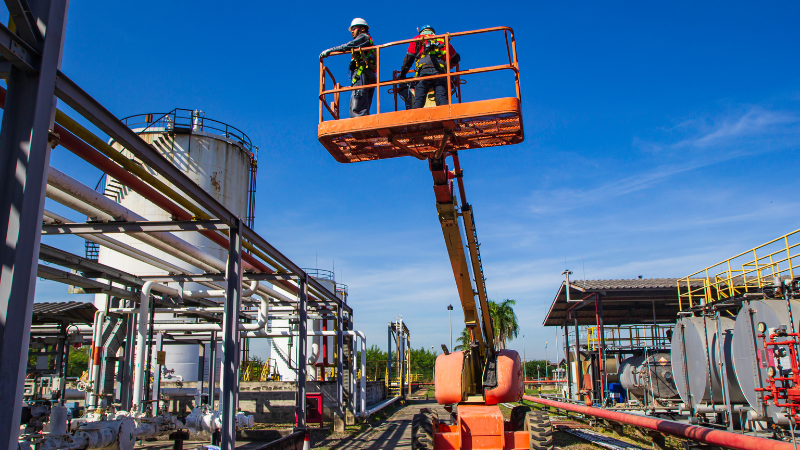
x=461, y=239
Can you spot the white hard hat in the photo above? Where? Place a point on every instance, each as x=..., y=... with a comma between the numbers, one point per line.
x=358, y=21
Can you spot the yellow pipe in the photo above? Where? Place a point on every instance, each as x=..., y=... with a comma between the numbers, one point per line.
x=89, y=137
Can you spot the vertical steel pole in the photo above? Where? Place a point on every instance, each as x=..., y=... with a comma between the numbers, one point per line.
x=566, y=352
x=126, y=379
x=24, y=159
x=578, y=365
x=212, y=369
x=157, y=370
x=230, y=344
x=602, y=350
x=339, y=362
x=302, y=345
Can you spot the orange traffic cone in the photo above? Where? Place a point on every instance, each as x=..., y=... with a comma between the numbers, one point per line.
x=306, y=443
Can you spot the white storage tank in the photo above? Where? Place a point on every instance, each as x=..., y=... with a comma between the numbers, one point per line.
x=216, y=156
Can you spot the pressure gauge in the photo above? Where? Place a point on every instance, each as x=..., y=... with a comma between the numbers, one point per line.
x=771, y=372
x=762, y=327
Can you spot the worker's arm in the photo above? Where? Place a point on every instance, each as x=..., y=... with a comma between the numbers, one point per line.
x=454, y=56
x=408, y=61
x=360, y=41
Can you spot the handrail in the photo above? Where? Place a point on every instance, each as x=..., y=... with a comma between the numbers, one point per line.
x=513, y=65
x=216, y=126
x=733, y=277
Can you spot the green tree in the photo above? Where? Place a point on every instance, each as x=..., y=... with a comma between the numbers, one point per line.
x=422, y=362
x=504, y=320
x=78, y=361
x=463, y=341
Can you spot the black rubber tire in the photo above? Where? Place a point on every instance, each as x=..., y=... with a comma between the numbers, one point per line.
x=517, y=418
x=540, y=432
x=422, y=429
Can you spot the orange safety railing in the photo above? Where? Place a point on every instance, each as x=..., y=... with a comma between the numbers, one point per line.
x=452, y=76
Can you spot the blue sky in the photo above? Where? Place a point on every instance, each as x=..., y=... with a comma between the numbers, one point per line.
x=659, y=140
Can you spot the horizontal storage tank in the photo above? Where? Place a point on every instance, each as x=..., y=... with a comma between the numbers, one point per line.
x=751, y=360
x=690, y=361
x=652, y=374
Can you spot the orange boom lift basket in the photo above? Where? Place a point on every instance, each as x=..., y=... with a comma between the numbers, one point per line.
x=422, y=132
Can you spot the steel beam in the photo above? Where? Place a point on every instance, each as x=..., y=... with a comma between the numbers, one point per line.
x=230, y=343
x=81, y=264
x=24, y=159
x=18, y=52
x=131, y=227
x=27, y=27
x=273, y=253
x=92, y=110
x=302, y=342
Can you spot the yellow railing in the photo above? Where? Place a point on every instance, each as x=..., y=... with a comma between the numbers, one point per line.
x=746, y=272
x=629, y=336
x=253, y=371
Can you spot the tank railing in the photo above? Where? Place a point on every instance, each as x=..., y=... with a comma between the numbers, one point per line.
x=192, y=121
x=638, y=336
x=725, y=280
x=513, y=65
x=320, y=273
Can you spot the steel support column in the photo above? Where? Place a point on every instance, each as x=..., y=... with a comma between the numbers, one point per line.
x=212, y=370
x=566, y=353
x=578, y=365
x=230, y=344
x=127, y=363
x=24, y=159
x=339, y=363
x=302, y=343
x=601, y=352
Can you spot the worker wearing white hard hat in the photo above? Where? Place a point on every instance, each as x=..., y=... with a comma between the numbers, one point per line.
x=362, y=66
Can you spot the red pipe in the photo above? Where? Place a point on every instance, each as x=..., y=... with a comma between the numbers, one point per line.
x=705, y=435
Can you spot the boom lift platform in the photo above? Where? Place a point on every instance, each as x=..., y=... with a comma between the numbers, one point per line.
x=479, y=378
x=426, y=131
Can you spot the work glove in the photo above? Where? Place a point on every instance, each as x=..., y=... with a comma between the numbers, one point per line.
x=325, y=54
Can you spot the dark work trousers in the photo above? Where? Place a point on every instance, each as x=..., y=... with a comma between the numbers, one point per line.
x=439, y=86
x=361, y=100
x=406, y=91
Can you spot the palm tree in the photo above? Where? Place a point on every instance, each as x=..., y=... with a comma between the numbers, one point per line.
x=504, y=320
x=463, y=341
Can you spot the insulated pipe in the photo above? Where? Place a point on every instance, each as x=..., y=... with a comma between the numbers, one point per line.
x=219, y=293
x=125, y=249
x=76, y=189
x=97, y=356
x=141, y=343
x=705, y=435
x=72, y=143
x=148, y=238
x=313, y=357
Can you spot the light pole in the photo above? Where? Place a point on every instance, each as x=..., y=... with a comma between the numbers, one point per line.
x=450, y=312
x=524, y=376
x=546, y=363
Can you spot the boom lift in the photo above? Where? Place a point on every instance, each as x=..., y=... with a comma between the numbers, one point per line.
x=480, y=377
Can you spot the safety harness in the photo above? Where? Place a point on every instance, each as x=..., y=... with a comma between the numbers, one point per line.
x=363, y=60
x=430, y=53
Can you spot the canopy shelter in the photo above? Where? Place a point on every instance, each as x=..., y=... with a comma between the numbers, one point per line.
x=624, y=302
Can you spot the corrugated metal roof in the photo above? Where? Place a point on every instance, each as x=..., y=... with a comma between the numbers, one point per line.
x=624, y=301
x=63, y=312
